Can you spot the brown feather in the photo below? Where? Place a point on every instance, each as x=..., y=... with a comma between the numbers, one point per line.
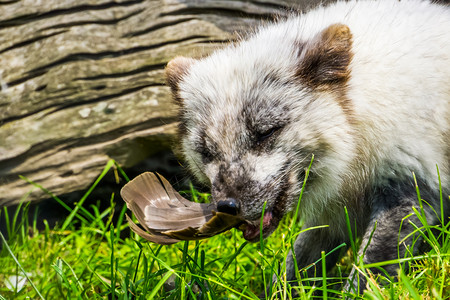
x=159, y=239
x=167, y=217
x=145, y=190
x=174, y=194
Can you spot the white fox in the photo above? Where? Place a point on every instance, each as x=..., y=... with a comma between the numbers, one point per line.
x=362, y=85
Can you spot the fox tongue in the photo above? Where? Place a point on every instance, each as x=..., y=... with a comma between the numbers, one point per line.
x=251, y=231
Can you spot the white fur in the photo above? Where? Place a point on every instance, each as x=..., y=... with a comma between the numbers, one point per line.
x=399, y=88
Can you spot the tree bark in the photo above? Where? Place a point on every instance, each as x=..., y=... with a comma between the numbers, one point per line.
x=82, y=81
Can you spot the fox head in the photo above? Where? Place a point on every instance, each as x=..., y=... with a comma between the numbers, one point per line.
x=253, y=114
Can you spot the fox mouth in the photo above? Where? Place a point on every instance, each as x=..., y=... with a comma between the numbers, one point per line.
x=266, y=224
x=251, y=230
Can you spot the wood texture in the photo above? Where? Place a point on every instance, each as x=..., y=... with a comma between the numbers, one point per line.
x=81, y=81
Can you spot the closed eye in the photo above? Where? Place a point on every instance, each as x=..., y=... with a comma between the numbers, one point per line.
x=206, y=155
x=263, y=136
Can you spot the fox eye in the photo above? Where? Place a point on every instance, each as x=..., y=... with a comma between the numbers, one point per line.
x=206, y=155
x=262, y=136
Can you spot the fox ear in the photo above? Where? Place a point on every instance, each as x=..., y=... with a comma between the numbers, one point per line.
x=175, y=70
x=324, y=60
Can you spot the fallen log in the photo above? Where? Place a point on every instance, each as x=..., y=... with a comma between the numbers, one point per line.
x=81, y=82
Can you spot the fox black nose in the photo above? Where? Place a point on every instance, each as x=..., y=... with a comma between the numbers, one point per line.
x=229, y=206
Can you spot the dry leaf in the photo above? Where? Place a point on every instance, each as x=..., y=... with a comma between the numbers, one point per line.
x=166, y=217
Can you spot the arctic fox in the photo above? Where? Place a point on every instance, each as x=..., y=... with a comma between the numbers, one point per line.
x=364, y=86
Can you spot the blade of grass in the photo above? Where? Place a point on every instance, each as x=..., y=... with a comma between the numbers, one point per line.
x=317, y=261
x=46, y=191
x=72, y=215
x=137, y=265
x=57, y=266
x=14, y=220
x=120, y=219
x=297, y=209
x=5, y=244
x=184, y=268
x=406, y=259
x=324, y=276
x=160, y=283
x=407, y=283
x=225, y=286
x=7, y=222
x=77, y=281
x=422, y=211
x=441, y=200
x=350, y=235
x=121, y=171
x=261, y=238
x=294, y=221
x=232, y=258
x=261, y=245
x=113, y=277
x=370, y=239
x=375, y=292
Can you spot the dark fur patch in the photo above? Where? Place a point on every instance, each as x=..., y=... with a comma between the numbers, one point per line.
x=264, y=121
x=325, y=59
x=324, y=64
x=182, y=126
x=208, y=149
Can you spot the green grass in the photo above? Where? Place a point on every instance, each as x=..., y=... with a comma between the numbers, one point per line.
x=93, y=255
